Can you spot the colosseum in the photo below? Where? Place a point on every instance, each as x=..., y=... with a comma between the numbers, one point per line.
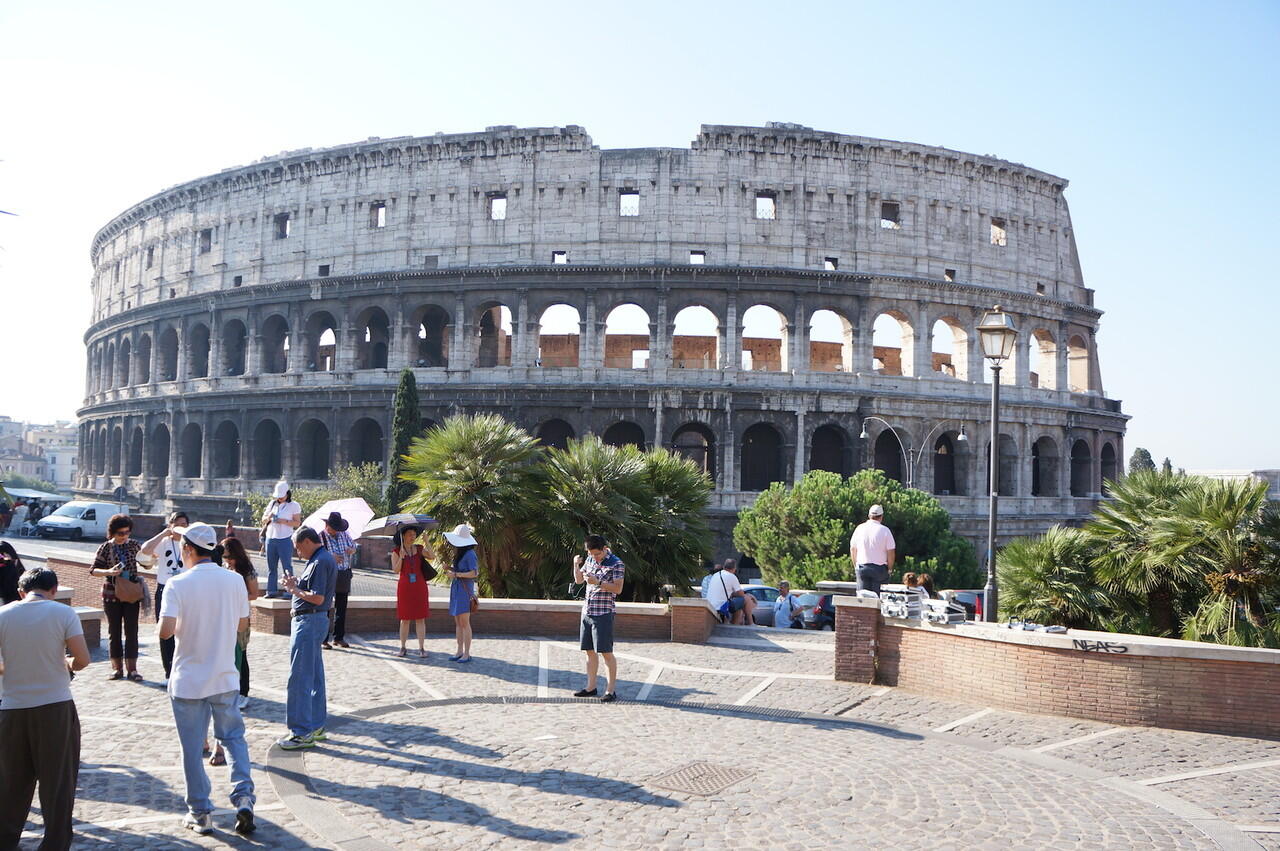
x=769, y=301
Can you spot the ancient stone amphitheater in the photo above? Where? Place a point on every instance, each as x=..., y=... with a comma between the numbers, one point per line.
x=758, y=302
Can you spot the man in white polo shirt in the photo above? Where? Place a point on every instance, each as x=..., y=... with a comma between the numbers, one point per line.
x=871, y=549
x=205, y=607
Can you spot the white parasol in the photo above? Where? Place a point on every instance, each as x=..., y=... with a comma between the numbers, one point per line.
x=355, y=511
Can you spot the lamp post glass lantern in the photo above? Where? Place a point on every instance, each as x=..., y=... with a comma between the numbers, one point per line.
x=997, y=333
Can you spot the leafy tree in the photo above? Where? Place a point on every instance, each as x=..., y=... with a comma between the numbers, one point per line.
x=406, y=425
x=1128, y=561
x=650, y=506
x=802, y=533
x=1167, y=467
x=482, y=470
x=1049, y=580
x=22, y=480
x=345, y=482
x=1141, y=462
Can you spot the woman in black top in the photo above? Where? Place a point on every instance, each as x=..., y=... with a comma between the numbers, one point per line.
x=116, y=555
x=10, y=569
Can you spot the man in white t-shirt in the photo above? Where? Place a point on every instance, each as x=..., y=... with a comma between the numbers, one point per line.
x=279, y=520
x=205, y=607
x=871, y=549
x=723, y=588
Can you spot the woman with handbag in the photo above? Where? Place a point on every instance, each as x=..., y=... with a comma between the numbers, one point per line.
x=409, y=560
x=462, y=591
x=122, y=595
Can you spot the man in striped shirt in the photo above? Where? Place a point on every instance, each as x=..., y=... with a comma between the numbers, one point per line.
x=602, y=571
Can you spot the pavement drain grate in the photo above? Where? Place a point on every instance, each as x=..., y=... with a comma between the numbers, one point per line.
x=700, y=778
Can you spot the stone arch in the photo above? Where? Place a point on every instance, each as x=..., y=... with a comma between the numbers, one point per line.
x=225, y=454
x=322, y=342
x=1044, y=467
x=235, y=344
x=1110, y=463
x=373, y=339
x=624, y=434
x=275, y=344
x=764, y=339
x=190, y=450
x=1007, y=475
x=696, y=442
x=109, y=367
x=198, y=351
x=628, y=341
x=558, y=335
x=762, y=462
x=695, y=338
x=1078, y=365
x=100, y=451
x=948, y=465
x=829, y=449
x=1081, y=469
x=893, y=343
x=887, y=454
x=493, y=339
x=126, y=362
x=268, y=455
x=115, y=447
x=158, y=451
x=950, y=348
x=143, y=359
x=830, y=342
x=134, y=465
x=313, y=450
x=365, y=444
x=432, y=330
x=1044, y=359
x=555, y=432
x=168, y=355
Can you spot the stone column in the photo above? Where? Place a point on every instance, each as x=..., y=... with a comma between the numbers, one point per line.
x=255, y=365
x=299, y=352
x=344, y=359
x=921, y=344
x=660, y=334
x=175, y=441
x=400, y=348
x=729, y=344
x=799, y=339
x=181, y=368
x=206, y=451
x=246, y=448
x=801, y=442
x=593, y=331
x=728, y=472
x=460, y=348
x=1022, y=355
x=976, y=359
x=524, y=348
x=1060, y=358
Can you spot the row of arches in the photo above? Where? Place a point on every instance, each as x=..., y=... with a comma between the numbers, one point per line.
x=761, y=338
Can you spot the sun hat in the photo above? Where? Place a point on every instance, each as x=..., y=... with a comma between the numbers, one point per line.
x=461, y=536
x=334, y=521
x=200, y=534
x=282, y=489
x=876, y=511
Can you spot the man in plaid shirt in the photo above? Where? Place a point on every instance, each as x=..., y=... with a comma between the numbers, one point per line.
x=602, y=571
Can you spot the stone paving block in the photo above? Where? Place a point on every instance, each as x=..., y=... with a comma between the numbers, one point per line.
x=1245, y=797
x=1149, y=752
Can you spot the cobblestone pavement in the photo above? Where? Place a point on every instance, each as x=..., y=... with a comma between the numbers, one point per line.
x=775, y=754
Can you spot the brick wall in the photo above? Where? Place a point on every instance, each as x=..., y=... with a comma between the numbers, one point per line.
x=691, y=620
x=856, y=640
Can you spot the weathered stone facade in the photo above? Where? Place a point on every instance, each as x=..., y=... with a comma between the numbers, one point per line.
x=253, y=323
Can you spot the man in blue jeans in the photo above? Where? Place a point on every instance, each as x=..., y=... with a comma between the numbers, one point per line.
x=281, y=516
x=204, y=608
x=312, y=591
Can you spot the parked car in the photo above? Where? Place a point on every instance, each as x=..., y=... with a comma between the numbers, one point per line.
x=766, y=596
x=79, y=519
x=819, y=611
x=970, y=599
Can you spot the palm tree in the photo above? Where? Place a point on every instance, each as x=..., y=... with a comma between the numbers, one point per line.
x=1048, y=580
x=481, y=470
x=1224, y=531
x=1127, y=561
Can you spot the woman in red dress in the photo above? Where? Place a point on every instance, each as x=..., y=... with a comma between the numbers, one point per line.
x=408, y=559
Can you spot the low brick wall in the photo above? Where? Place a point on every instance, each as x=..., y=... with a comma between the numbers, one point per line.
x=91, y=623
x=692, y=620
x=1109, y=677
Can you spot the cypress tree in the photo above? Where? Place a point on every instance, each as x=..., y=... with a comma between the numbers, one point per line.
x=406, y=424
x=1141, y=461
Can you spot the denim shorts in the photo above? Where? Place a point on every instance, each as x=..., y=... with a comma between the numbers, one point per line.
x=597, y=633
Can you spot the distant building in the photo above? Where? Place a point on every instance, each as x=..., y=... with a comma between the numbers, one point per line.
x=24, y=463
x=1271, y=477
x=47, y=452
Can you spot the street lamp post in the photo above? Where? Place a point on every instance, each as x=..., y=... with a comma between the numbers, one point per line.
x=911, y=456
x=997, y=333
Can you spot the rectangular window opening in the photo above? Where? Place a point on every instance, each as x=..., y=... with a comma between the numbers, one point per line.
x=173, y=293
x=628, y=202
x=283, y=225
x=559, y=258
x=999, y=236
x=890, y=215
x=237, y=280
x=766, y=206
x=378, y=214
x=1039, y=289
x=206, y=240
x=151, y=257
x=431, y=261
x=697, y=258
x=949, y=275
x=324, y=270
x=497, y=207
x=831, y=264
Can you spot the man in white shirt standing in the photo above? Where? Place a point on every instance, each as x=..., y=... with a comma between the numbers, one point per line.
x=204, y=608
x=724, y=588
x=279, y=520
x=871, y=549
x=786, y=609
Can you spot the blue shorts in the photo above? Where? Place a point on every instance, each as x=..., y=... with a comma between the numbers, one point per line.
x=597, y=633
x=736, y=604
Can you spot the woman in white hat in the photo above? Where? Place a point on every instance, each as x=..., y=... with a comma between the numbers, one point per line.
x=281, y=516
x=462, y=591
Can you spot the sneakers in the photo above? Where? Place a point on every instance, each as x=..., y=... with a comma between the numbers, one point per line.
x=293, y=743
x=202, y=823
x=319, y=735
x=242, y=701
x=582, y=692
x=608, y=697
x=244, y=817
x=326, y=645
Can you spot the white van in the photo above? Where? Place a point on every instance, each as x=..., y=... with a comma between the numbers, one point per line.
x=80, y=519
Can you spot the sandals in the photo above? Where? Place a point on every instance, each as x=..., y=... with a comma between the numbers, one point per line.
x=116, y=675
x=422, y=653
x=402, y=653
x=218, y=758
x=134, y=676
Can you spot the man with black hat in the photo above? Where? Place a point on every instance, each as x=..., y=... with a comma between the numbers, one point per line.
x=339, y=544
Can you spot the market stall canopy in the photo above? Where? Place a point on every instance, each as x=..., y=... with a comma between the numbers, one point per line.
x=24, y=493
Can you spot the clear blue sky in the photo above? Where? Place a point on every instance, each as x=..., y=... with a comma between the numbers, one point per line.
x=1162, y=115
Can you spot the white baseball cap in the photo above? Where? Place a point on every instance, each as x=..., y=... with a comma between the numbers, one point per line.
x=282, y=488
x=876, y=511
x=202, y=535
